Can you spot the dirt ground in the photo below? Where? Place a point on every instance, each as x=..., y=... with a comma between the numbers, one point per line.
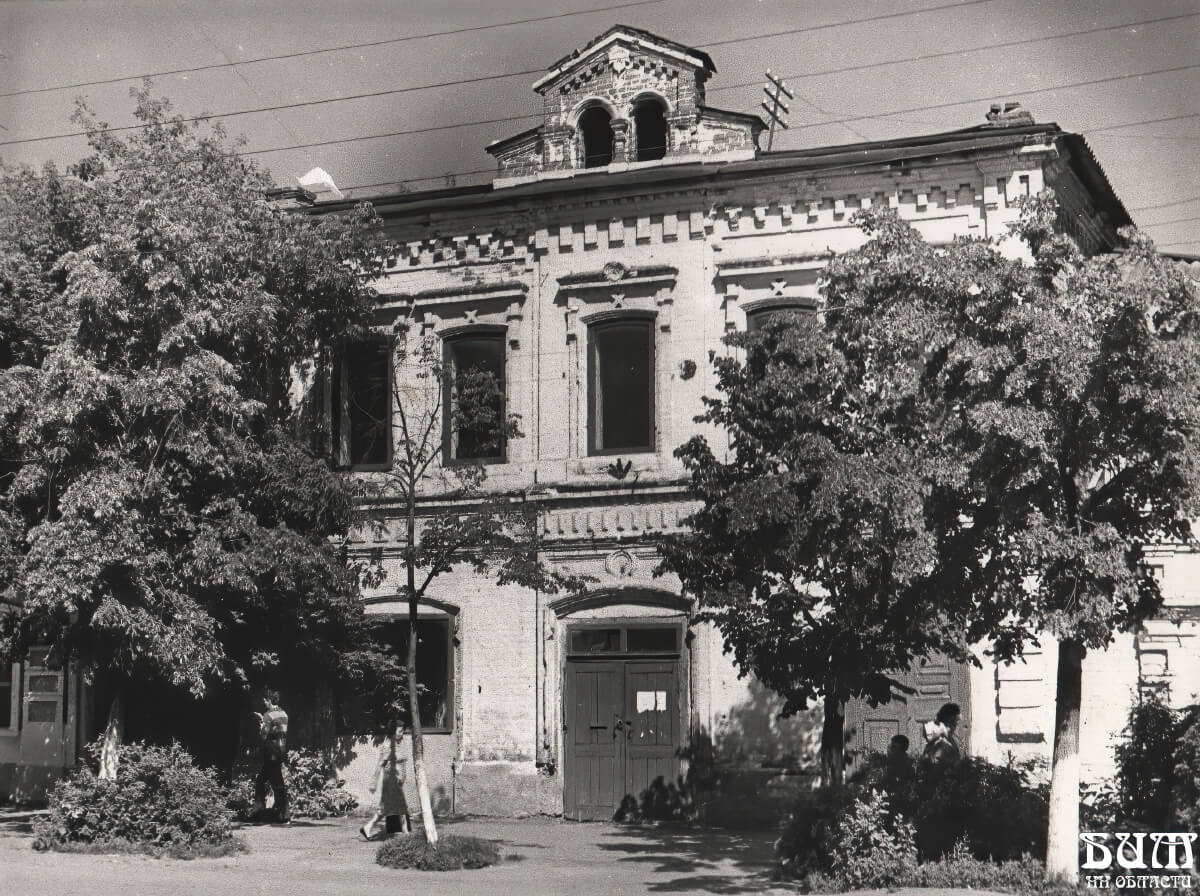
x=542, y=856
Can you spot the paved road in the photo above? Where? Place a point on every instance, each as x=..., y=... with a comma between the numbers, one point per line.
x=542, y=856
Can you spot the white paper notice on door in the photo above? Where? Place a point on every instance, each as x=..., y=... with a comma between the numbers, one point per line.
x=651, y=701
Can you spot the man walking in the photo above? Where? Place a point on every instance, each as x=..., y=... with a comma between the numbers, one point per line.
x=272, y=729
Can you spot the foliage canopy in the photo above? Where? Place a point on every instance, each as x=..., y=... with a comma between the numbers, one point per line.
x=161, y=516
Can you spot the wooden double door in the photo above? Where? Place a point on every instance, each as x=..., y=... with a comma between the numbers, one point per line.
x=935, y=681
x=622, y=733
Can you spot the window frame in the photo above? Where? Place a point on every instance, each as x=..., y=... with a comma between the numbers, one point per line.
x=595, y=400
x=401, y=619
x=341, y=433
x=624, y=626
x=13, y=728
x=762, y=312
x=449, y=340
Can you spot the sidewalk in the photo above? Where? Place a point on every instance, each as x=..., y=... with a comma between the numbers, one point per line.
x=542, y=856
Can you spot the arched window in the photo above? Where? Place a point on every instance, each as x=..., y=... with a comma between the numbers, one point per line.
x=595, y=126
x=758, y=318
x=651, y=127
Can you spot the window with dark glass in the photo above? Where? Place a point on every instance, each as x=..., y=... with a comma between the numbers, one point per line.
x=650, y=126
x=362, y=389
x=473, y=425
x=621, y=387
x=589, y=640
x=595, y=129
x=758, y=318
x=435, y=665
x=6, y=695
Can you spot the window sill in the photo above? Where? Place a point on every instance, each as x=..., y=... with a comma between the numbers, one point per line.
x=598, y=464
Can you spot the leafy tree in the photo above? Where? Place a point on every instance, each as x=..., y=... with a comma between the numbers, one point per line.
x=1008, y=434
x=810, y=550
x=161, y=518
x=1053, y=404
x=451, y=519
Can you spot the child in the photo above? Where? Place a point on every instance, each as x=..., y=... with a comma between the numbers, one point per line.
x=388, y=782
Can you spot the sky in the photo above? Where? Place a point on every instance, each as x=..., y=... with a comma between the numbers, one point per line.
x=381, y=94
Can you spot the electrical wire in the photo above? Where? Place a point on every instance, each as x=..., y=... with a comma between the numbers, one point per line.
x=301, y=53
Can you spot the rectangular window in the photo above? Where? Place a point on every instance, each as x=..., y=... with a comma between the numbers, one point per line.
x=621, y=387
x=758, y=318
x=9, y=677
x=435, y=665
x=596, y=640
x=473, y=424
x=362, y=390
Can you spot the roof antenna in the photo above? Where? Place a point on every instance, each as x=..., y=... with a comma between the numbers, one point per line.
x=776, y=105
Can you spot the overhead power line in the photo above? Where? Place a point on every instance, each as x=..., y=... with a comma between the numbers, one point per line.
x=1146, y=208
x=475, y=80
x=924, y=57
x=1022, y=93
x=483, y=78
x=1172, y=221
x=301, y=53
x=808, y=29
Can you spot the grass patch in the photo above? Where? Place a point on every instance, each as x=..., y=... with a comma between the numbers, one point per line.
x=232, y=847
x=451, y=853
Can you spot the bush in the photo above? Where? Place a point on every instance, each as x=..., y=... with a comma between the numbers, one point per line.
x=160, y=801
x=1146, y=764
x=997, y=812
x=451, y=853
x=314, y=788
x=1158, y=768
x=1185, y=788
x=872, y=846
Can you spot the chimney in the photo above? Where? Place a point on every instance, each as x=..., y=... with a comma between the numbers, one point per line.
x=1008, y=115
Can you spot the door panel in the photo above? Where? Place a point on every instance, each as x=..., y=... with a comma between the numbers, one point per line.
x=594, y=741
x=42, y=733
x=652, y=725
x=936, y=681
x=622, y=733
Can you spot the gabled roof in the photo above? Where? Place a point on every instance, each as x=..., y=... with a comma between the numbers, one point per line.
x=686, y=55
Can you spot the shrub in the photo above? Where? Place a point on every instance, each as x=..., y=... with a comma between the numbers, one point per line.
x=1146, y=763
x=314, y=788
x=1158, y=768
x=451, y=853
x=996, y=811
x=1185, y=790
x=873, y=847
x=160, y=801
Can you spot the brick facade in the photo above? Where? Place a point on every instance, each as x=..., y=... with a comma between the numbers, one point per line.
x=693, y=242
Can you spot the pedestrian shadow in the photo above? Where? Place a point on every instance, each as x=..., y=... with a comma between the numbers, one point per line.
x=694, y=858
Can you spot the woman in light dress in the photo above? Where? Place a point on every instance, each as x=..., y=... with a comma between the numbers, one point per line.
x=388, y=782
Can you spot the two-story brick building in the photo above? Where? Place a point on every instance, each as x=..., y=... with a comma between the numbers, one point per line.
x=622, y=238
x=620, y=241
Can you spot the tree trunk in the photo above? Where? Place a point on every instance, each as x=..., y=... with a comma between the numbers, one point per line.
x=1062, y=841
x=414, y=708
x=418, y=739
x=833, y=741
x=114, y=733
